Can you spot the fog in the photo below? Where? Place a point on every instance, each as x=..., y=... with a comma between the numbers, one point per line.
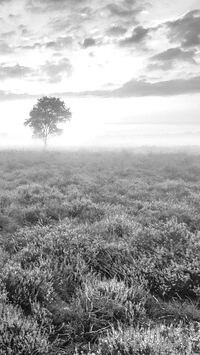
x=109, y=123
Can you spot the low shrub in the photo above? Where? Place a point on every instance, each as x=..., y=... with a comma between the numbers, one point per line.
x=20, y=334
x=23, y=287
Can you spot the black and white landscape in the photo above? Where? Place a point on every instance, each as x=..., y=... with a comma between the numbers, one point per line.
x=99, y=177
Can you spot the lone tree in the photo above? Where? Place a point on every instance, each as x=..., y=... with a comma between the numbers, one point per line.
x=45, y=116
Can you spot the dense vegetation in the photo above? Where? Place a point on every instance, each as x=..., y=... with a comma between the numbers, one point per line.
x=99, y=253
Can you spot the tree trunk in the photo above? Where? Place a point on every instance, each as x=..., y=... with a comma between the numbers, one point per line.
x=45, y=142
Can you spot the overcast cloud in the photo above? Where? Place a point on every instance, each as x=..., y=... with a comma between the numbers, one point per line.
x=81, y=47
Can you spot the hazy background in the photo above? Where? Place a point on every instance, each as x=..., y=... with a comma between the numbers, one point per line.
x=97, y=122
x=129, y=70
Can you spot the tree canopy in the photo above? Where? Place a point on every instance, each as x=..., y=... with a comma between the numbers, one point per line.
x=45, y=117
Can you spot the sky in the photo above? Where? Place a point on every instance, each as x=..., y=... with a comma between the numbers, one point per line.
x=128, y=69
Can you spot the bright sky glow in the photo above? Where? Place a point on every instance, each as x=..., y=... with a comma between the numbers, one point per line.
x=128, y=69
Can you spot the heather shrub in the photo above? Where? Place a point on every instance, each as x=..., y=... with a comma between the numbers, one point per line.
x=26, y=286
x=20, y=334
x=85, y=210
x=117, y=226
x=99, y=253
x=7, y=224
x=172, y=312
x=154, y=340
x=109, y=261
x=99, y=305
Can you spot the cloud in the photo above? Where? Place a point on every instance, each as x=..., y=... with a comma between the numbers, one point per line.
x=9, y=96
x=116, y=30
x=13, y=71
x=132, y=88
x=60, y=25
x=139, y=35
x=89, y=42
x=30, y=46
x=60, y=43
x=171, y=56
x=53, y=71
x=52, y=5
x=5, y=48
x=88, y=21
x=23, y=30
x=141, y=88
x=185, y=30
x=87, y=14
x=160, y=88
x=2, y=2
x=8, y=35
x=119, y=10
x=125, y=9
x=13, y=16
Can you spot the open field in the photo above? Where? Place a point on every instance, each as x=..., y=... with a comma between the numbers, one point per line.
x=99, y=253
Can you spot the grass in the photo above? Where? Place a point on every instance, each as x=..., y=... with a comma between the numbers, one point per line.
x=99, y=253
